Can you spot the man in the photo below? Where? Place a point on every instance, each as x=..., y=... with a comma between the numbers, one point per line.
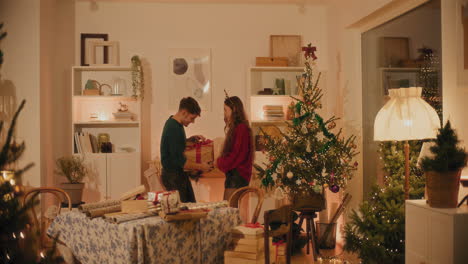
x=172, y=150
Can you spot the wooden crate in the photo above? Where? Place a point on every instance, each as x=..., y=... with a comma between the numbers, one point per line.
x=271, y=61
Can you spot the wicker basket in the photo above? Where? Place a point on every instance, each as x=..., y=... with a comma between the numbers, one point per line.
x=309, y=200
x=442, y=188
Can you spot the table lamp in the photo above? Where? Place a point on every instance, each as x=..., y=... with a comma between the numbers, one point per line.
x=406, y=116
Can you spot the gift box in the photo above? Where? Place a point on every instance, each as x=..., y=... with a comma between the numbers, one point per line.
x=199, y=151
x=169, y=200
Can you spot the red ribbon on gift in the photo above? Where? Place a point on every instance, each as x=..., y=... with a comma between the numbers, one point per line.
x=277, y=244
x=197, y=147
x=253, y=225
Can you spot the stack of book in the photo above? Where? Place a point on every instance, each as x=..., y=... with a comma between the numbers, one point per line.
x=273, y=112
x=85, y=143
x=248, y=246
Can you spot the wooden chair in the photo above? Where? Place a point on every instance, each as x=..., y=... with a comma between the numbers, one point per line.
x=281, y=215
x=42, y=222
x=236, y=197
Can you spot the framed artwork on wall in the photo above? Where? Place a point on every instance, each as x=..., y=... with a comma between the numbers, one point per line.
x=111, y=47
x=190, y=75
x=393, y=51
x=288, y=46
x=102, y=54
x=399, y=78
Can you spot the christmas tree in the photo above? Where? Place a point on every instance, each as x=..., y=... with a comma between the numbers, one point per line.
x=377, y=230
x=2, y=36
x=429, y=79
x=308, y=156
x=448, y=156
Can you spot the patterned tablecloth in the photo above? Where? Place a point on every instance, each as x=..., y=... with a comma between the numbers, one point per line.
x=147, y=240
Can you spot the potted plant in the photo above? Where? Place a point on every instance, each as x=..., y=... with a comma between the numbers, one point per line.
x=443, y=169
x=73, y=168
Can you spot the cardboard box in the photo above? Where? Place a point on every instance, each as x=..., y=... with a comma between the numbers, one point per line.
x=271, y=61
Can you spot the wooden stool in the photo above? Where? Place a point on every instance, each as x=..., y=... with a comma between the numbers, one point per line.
x=309, y=216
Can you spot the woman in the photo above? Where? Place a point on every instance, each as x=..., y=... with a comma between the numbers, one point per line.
x=238, y=150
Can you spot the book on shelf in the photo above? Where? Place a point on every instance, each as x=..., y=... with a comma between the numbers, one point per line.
x=85, y=143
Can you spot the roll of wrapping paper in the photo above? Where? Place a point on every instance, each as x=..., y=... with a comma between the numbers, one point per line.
x=120, y=218
x=335, y=217
x=103, y=210
x=92, y=206
x=133, y=192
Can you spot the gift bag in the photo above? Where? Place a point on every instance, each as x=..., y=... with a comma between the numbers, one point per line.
x=199, y=151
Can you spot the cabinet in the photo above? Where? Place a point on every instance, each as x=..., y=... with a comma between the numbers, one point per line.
x=110, y=174
x=435, y=236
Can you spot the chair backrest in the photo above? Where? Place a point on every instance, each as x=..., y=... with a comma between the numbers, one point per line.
x=236, y=197
x=41, y=224
x=281, y=215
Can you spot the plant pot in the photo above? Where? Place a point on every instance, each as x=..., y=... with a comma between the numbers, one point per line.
x=74, y=190
x=442, y=188
x=308, y=200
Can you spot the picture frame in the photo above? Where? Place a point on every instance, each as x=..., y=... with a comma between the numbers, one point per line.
x=399, y=78
x=190, y=75
x=288, y=46
x=394, y=51
x=85, y=38
x=112, y=48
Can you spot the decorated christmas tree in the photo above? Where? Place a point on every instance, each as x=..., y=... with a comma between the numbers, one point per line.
x=308, y=156
x=376, y=232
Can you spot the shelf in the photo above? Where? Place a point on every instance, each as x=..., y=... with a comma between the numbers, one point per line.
x=112, y=153
x=273, y=96
x=116, y=97
x=399, y=69
x=280, y=69
x=110, y=122
x=270, y=123
x=102, y=68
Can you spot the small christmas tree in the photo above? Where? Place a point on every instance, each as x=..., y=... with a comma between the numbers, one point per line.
x=308, y=156
x=377, y=230
x=448, y=155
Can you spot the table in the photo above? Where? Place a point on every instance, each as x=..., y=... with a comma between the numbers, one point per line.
x=147, y=240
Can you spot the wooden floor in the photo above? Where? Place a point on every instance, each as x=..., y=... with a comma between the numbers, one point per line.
x=333, y=256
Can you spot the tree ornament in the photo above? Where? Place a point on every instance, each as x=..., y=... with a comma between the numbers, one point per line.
x=289, y=175
x=300, y=161
x=335, y=188
x=272, y=159
x=356, y=164
x=332, y=125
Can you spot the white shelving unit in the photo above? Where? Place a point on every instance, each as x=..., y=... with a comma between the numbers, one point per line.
x=264, y=77
x=111, y=174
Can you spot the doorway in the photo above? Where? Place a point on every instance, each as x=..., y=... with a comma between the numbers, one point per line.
x=394, y=55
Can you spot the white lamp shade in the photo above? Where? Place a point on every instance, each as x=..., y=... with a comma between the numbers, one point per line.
x=406, y=116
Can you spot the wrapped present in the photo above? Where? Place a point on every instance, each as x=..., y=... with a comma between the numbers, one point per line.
x=199, y=151
x=169, y=201
x=248, y=231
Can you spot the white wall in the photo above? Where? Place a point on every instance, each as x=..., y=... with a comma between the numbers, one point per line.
x=38, y=57
x=21, y=67
x=455, y=77
x=236, y=33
